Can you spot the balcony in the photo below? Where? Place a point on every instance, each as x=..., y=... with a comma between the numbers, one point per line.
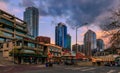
x=7, y=30
x=7, y=22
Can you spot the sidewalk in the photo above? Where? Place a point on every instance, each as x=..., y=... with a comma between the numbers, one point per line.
x=2, y=65
x=42, y=65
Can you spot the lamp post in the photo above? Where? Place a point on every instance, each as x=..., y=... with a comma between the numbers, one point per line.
x=76, y=36
x=76, y=41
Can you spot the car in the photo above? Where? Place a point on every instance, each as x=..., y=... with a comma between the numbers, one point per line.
x=108, y=64
x=68, y=62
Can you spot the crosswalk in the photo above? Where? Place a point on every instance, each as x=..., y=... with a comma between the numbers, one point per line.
x=82, y=68
x=85, y=69
x=111, y=71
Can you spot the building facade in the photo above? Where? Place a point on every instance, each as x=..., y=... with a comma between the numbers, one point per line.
x=81, y=49
x=11, y=28
x=17, y=46
x=31, y=17
x=68, y=42
x=100, y=45
x=75, y=48
x=61, y=35
x=14, y=40
x=54, y=53
x=43, y=39
x=90, y=42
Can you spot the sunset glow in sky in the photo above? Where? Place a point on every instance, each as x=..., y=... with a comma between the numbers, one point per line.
x=74, y=13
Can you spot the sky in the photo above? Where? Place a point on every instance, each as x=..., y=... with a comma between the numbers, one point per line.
x=83, y=14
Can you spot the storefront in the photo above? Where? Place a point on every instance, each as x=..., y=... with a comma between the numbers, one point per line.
x=27, y=56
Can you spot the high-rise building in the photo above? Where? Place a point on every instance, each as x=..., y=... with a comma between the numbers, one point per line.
x=31, y=16
x=68, y=42
x=75, y=48
x=90, y=42
x=81, y=49
x=100, y=45
x=61, y=35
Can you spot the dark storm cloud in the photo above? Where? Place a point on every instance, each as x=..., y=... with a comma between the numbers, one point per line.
x=78, y=12
x=27, y=3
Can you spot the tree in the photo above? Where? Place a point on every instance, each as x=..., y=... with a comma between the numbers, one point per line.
x=112, y=29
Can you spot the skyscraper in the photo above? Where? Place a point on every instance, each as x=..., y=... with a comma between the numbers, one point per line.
x=68, y=42
x=75, y=48
x=31, y=16
x=81, y=49
x=90, y=42
x=100, y=45
x=61, y=35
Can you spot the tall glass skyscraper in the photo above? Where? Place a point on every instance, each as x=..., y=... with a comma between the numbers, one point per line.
x=31, y=16
x=68, y=42
x=61, y=35
x=100, y=45
x=90, y=42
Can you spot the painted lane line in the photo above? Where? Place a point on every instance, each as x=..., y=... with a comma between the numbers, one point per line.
x=88, y=69
x=76, y=68
x=79, y=68
x=111, y=71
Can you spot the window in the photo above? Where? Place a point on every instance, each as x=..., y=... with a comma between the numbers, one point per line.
x=31, y=45
x=19, y=37
x=2, y=39
x=7, y=34
x=8, y=28
x=20, y=27
x=20, y=32
x=6, y=21
x=19, y=43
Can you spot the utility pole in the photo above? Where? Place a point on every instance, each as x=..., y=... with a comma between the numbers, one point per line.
x=76, y=42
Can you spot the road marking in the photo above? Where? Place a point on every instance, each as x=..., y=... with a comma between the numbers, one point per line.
x=111, y=71
x=76, y=68
x=79, y=68
x=88, y=69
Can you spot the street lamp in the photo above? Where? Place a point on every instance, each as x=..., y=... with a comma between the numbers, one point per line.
x=76, y=36
x=76, y=41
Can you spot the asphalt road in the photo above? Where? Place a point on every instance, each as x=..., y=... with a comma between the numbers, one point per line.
x=57, y=69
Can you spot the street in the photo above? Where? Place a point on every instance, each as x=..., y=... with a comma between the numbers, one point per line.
x=57, y=69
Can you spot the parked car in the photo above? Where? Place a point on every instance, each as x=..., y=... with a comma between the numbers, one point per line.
x=117, y=61
x=68, y=62
x=110, y=64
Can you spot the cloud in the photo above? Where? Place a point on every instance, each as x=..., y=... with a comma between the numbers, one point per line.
x=3, y=6
x=77, y=12
x=26, y=3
